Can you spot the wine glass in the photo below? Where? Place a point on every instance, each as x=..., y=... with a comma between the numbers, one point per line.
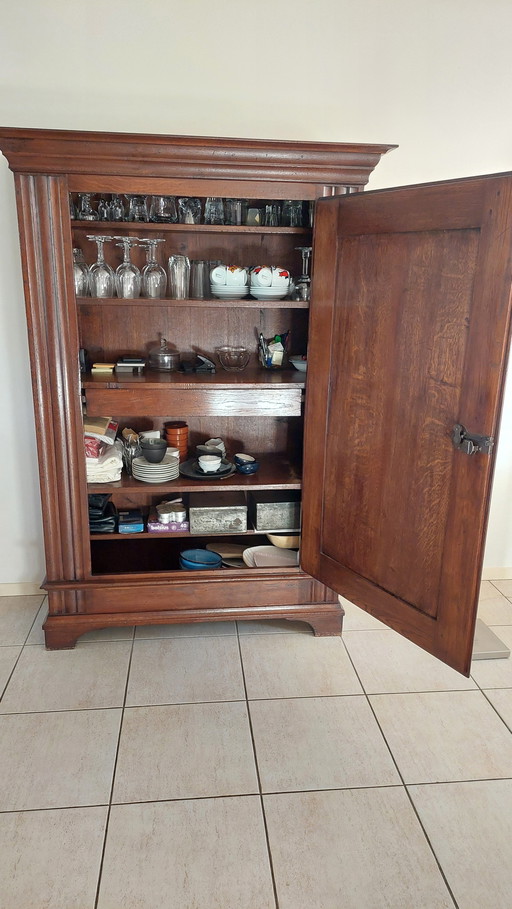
x=80, y=274
x=303, y=284
x=101, y=275
x=85, y=210
x=128, y=277
x=154, y=278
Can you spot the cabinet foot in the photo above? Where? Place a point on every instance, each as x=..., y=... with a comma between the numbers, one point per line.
x=59, y=635
x=324, y=625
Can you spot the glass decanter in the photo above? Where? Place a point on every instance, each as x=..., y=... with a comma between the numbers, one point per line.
x=128, y=279
x=154, y=277
x=101, y=275
x=85, y=211
x=80, y=274
x=303, y=283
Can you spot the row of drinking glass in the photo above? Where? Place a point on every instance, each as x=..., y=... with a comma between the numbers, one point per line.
x=168, y=209
x=128, y=281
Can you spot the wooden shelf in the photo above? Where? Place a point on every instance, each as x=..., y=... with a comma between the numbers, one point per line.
x=252, y=377
x=114, y=227
x=171, y=534
x=206, y=303
x=273, y=474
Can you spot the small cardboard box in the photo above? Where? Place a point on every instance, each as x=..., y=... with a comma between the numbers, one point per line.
x=224, y=512
x=275, y=509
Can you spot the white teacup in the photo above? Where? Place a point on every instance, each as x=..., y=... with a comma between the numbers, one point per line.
x=209, y=463
x=270, y=276
x=232, y=275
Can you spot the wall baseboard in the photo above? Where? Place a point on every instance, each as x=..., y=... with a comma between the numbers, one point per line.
x=497, y=574
x=21, y=590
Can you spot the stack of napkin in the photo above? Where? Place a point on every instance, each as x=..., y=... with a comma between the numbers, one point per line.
x=107, y=468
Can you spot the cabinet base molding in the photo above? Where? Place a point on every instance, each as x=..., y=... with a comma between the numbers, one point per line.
x=62, y=631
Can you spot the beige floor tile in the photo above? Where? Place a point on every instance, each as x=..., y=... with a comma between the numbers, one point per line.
x=356, y=849
x=470, y=828
x=174, y=671
x=200, y=854
x=319, y=743
x=36, y=635
x=487, y=590
x=89, y=676
x=387, y=662
x=17, y=615
x=189, y=630
x=357, y=619
x=501, y=700
x=290, y=665
x=496, y=610
x=185, y=751
x=51, y=858
x=504, y=587
x=442, y=736
x=8, y=657
x=495, y=673
x=274, y=626
x=57, y=760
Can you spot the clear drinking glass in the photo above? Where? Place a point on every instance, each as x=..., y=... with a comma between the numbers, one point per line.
x=179, y=277
x=292, y=213
x=154, y=278
x=128, y=279
x=214, y=210
x=117, y=211
x=72, y=208
x=85, y=210
x=137, y=208
x=235, y=211
x=101, y=275
x=80, y=274
x=163, y=209
x=199, y=279
x=103, y=209
x=189, y=211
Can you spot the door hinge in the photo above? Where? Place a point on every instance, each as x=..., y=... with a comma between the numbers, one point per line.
x=470, y=442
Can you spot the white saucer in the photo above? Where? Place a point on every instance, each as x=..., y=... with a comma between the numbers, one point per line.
x=270, y=557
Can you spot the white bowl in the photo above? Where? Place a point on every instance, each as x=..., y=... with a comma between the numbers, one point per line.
x=210, y=463
x=299, y=363
x=284, y=540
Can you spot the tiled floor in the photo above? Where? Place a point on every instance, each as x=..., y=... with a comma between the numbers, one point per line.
x=252, y=767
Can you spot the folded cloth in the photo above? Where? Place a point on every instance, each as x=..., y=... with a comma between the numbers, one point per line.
x=109, y=466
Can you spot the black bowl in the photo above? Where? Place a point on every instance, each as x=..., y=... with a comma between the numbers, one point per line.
x=154, y=450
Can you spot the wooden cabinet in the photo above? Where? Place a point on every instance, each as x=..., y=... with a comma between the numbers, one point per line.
x=408, y=333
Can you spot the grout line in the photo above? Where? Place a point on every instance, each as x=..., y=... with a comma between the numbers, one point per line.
x=404, y=785
x=262, y=804
x=107, y=820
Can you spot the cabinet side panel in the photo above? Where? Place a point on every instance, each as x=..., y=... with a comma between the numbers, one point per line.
x=52, y=327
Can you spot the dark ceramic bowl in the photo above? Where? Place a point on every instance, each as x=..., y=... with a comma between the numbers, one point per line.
x=248, y=467
x=154, y=450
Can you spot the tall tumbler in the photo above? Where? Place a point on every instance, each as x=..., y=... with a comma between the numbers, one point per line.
x=179, y=277
x=199, y=279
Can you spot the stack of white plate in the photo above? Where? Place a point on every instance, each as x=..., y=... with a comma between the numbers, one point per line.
x=229, y=291
x=269, y=293
x=166, y=470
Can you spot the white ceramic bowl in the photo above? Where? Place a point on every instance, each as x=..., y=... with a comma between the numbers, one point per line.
x=299, y=363
x=210, y=463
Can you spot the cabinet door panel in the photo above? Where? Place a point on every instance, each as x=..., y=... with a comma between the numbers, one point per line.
x=409, y=335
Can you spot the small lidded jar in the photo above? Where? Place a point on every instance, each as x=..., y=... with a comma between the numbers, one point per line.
x=164, y=359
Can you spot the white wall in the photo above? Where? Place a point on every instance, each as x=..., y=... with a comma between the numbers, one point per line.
x=433, y=77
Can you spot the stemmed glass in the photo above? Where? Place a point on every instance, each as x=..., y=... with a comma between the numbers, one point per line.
x=80, y=274
x=303, y=284
x=101, y=275
x=128, y=278
x=154, y=278
x=85, y=210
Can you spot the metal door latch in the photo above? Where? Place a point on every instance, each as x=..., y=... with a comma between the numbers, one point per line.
x=470, y=442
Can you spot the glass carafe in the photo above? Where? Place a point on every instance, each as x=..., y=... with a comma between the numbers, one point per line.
x=85, y=211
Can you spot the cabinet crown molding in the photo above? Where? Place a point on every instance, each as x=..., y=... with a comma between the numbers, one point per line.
x=41, y=151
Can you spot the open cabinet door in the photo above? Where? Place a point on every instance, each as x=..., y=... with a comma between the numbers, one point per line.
x=409, y=335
